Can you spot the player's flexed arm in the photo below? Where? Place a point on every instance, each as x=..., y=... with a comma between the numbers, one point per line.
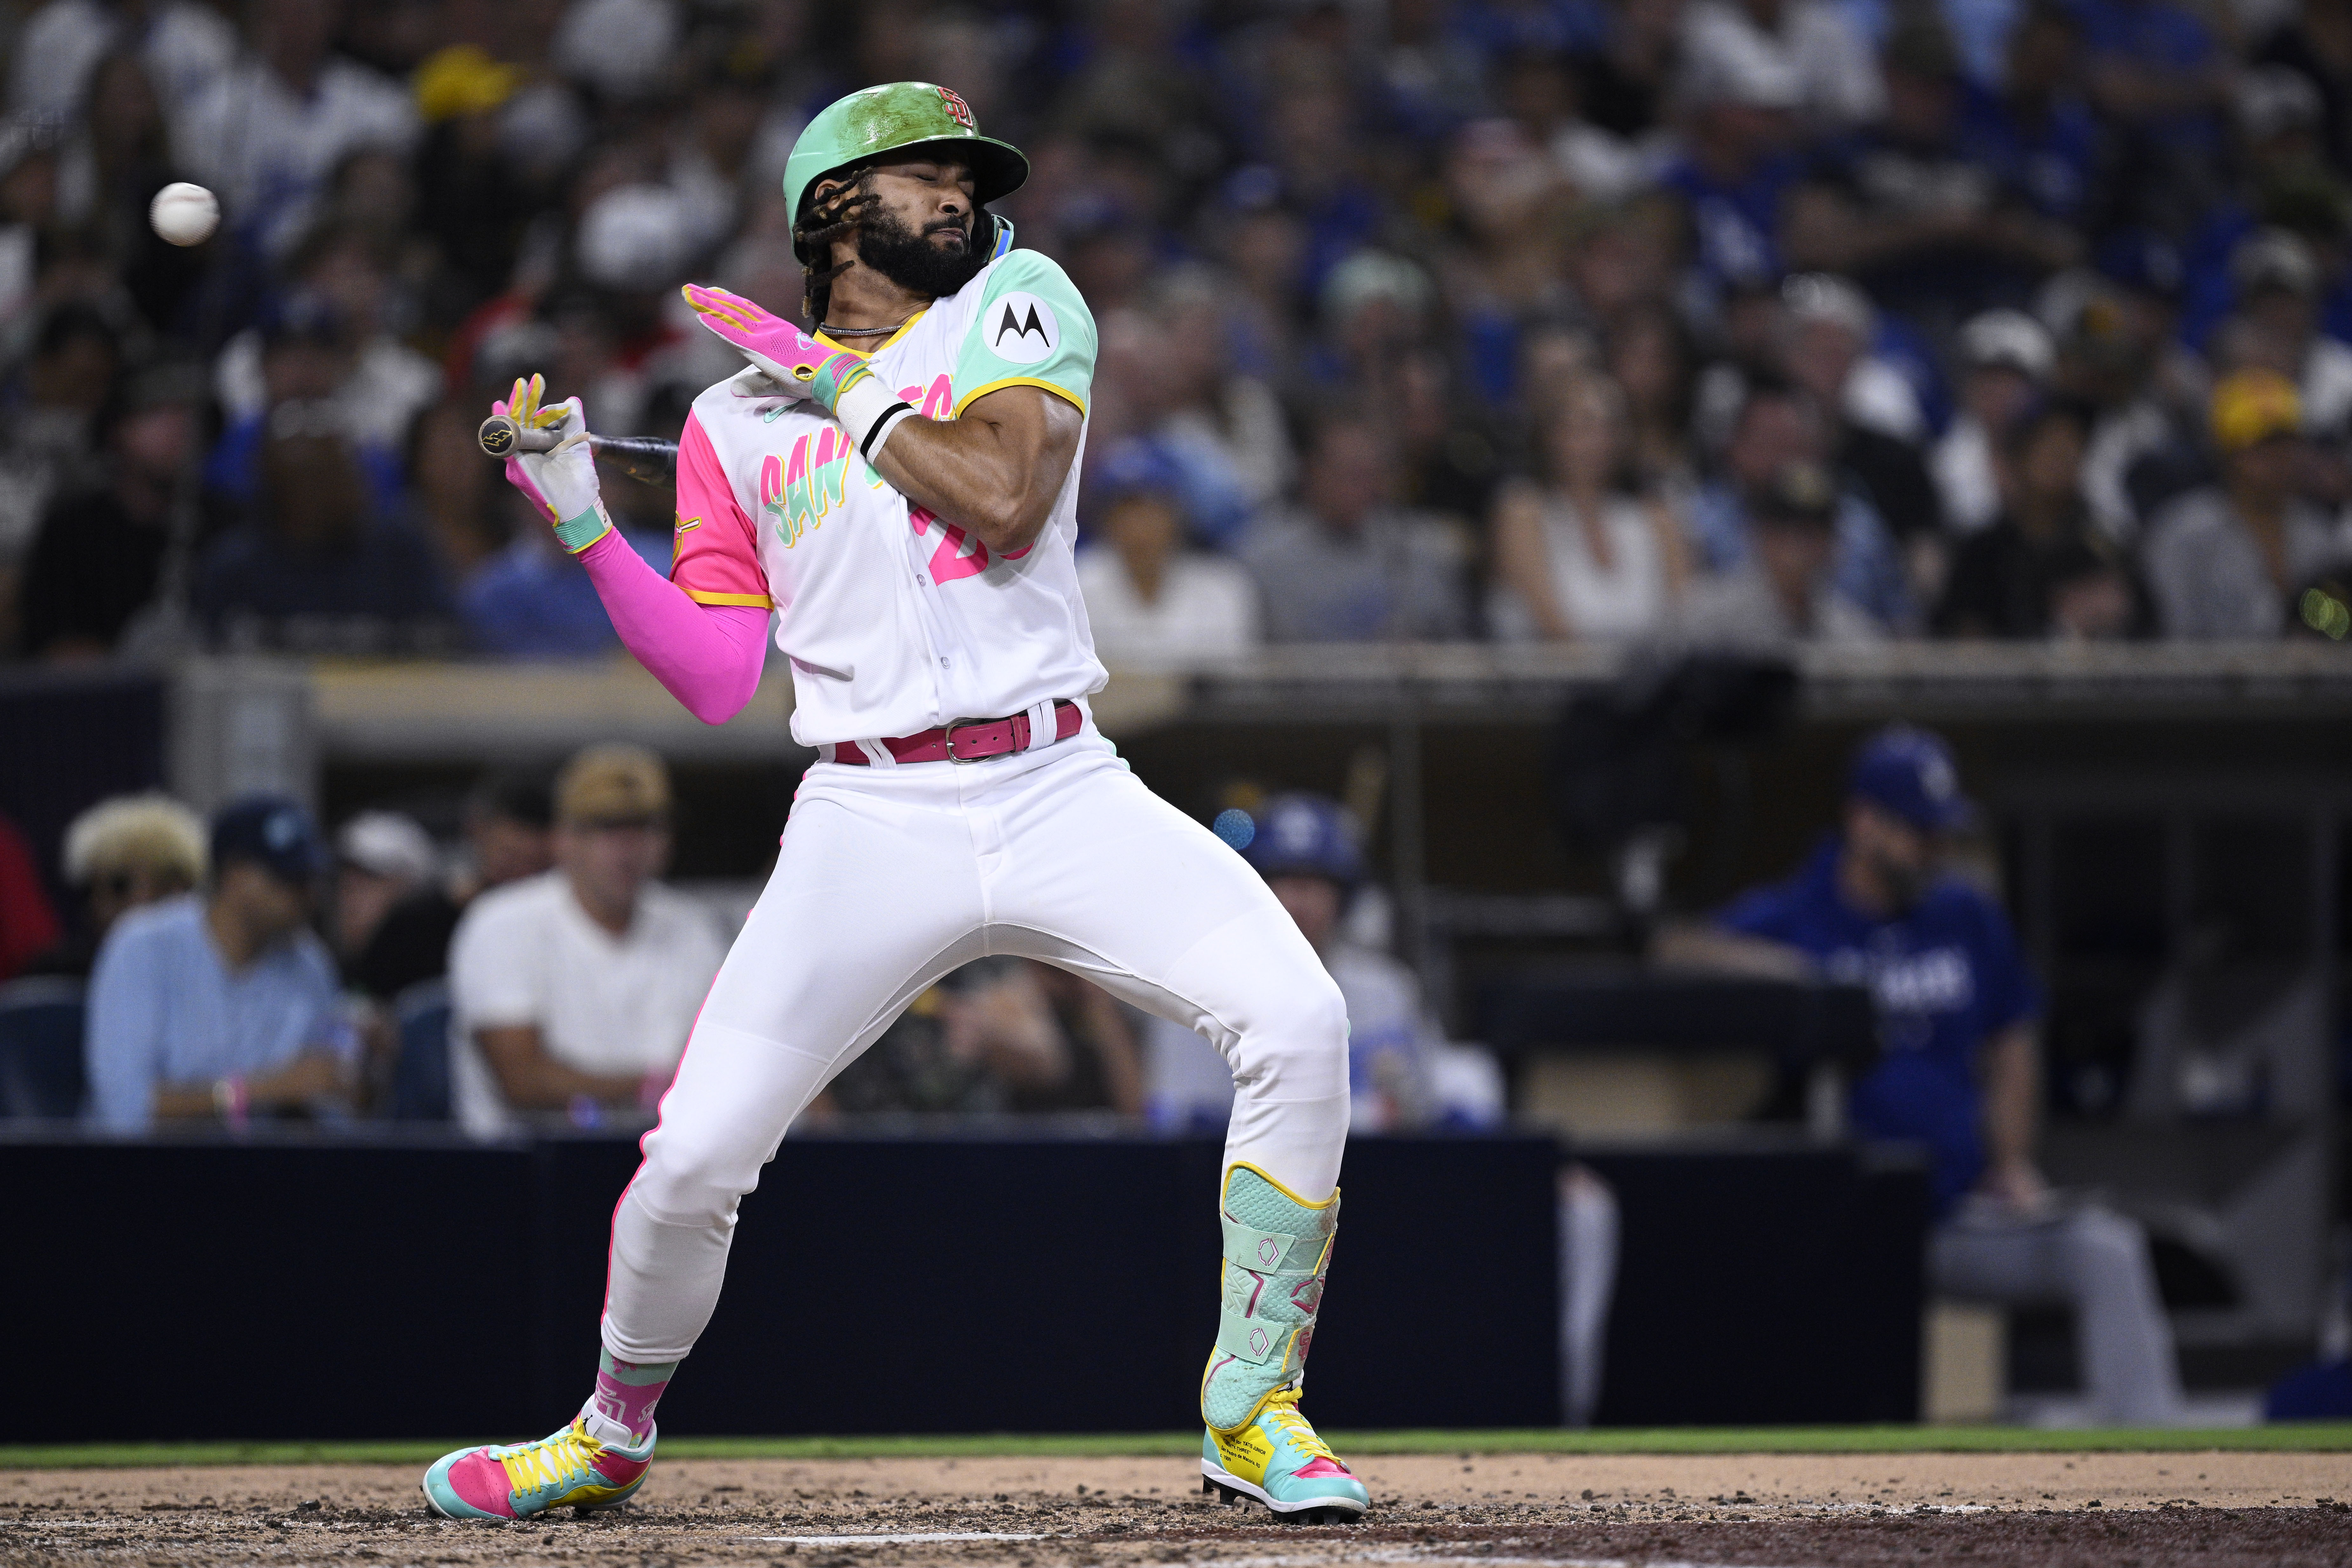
x=994, y=469
x=708, y=656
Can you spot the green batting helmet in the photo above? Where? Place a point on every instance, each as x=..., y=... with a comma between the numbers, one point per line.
x=894, y=116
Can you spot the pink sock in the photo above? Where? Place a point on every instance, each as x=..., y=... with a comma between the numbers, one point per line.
x=626, y=1392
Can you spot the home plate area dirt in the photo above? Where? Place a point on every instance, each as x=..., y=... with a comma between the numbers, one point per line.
x=1987, y=1510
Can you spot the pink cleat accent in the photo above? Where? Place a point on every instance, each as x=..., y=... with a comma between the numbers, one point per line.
x=482, y=1482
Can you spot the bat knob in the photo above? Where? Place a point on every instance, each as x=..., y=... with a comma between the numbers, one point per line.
x=498, y=435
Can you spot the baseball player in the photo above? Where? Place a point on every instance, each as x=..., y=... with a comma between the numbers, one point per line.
x=898, y=484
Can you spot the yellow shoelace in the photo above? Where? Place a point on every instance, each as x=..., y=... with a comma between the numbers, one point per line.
x=558, y=1461
x=1282, y=1409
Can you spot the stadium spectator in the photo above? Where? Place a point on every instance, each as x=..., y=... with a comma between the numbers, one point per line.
x=1350, y=565
x=1583, y=557
x=1148, y=599
x=1960, y=1016
x=2109, y=351
x=101, y=555
x=337, y=274
x=2041, y=570
x=532, y=600
x=1000, y=1035
x=268, y=130
x=1402, y=1074
x=1736, y=165
x=2277, y=281
x=1305, y=848
x=1909, y=208
x=46, y=443
x=1224, y=428
x=221, y=1006
x=2230, y=561
x=508, y=822
x=108, y=171
x=29, y=924
x=1778, y=426
x=573, y=990
x=455, y=499
x=1650, y=357
x=183, y=44
x=2005, y=358
x=1834, y=77
x=2027, y=119
x=381, y=858
x=1875, y=426
x=1785, y=588
x=122, y=855
x=315, y=568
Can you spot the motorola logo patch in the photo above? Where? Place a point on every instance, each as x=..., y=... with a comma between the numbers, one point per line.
x=1020, y=328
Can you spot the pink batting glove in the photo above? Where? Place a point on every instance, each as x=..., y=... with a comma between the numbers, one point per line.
x=799, y=364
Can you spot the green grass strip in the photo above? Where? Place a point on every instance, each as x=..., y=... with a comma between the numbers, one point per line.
x=2291, y=1437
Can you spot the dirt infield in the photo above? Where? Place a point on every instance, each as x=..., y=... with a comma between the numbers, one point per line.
x=2138, y=1511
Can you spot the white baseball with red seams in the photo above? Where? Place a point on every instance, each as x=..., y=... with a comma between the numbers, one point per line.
x=889, y=875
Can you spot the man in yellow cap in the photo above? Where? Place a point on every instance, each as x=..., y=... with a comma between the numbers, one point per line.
x=573, y=991
x=2229, y=561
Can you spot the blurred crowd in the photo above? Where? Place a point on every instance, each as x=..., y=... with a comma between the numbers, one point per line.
x=534, y=971
x=1720, y=320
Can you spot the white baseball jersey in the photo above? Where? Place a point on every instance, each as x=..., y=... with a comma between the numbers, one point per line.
x=896, y=620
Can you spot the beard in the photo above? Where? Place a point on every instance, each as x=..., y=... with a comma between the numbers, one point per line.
x=1904, y=883
x=912, y=261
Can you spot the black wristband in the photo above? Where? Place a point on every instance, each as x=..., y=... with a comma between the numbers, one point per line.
x=881, y=424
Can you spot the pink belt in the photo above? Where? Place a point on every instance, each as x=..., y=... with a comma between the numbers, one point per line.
x=967, y=740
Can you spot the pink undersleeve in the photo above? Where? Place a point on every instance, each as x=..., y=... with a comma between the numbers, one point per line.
x=708, y=656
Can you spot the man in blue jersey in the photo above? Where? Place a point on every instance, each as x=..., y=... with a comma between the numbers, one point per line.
x=1960, y=1070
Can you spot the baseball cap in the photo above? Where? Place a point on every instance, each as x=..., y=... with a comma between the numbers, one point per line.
x=1826, y=296
x=2273, y=262
x=273, y=832
x=612, y=784
x=2249, y=406
x=1136, y=465
x=1369, y=275
x=1799, y=492
x=463, y=80
x=2009, y=339
x=2271, y=100
x=1909, y=772
x=1727, y=68
x=1305, y=834
x=387, y=844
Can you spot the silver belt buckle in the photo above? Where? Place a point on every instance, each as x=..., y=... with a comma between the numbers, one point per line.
x=947, y=739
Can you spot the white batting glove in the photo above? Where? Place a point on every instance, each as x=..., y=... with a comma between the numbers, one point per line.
x=564, y=482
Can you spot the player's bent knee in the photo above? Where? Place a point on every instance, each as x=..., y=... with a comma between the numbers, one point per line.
x=687, y=1182
x=1297, y=1032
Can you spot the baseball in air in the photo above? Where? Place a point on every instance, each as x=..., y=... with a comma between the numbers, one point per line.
x=184, y=214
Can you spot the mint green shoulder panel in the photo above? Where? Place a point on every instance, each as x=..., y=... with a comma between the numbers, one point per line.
x=1030, y=329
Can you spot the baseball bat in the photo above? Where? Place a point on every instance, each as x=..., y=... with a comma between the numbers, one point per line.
x=648, y=459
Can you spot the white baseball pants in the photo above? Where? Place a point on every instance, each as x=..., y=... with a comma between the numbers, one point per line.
x=888, y=878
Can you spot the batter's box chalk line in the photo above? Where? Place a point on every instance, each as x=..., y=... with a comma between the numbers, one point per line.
x=1436, y=1558
x=907, y=1538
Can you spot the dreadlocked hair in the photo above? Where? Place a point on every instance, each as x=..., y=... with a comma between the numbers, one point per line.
x=829, y=219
